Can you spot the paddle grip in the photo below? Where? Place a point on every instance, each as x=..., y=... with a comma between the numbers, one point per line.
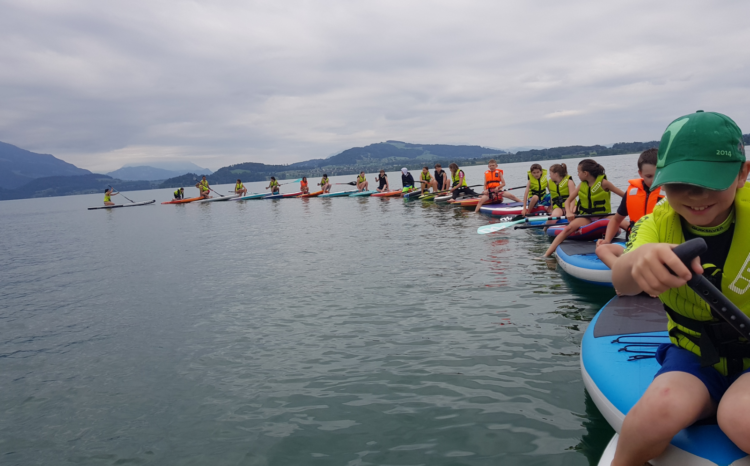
x=720, y=304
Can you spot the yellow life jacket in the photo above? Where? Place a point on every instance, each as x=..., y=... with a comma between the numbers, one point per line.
x=323, y=181
x=107, y=198
x=238, y=186
x=735, y=282
x=594, y=199
x=177, y=193
x=204, y=185
x=273, y=184
x=559, y=192
x=361, y=179
x=538, y=187
x=426, y=176
x=457, y=178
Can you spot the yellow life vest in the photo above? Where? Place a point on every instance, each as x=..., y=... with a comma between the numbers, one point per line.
x=538, y=187
x=457, y=178
x=426, y=176
x=177, y=193
x=273, y=183
x=594, y=199
x=735, y=282
x=204, y=185
x=107, y=198
x=238, y=186
x=559, y=192
x=323, y=181
x=361, y=179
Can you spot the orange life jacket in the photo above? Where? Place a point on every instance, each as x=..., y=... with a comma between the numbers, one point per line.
x=303, y=184
x=492, y=178
x=639, y=202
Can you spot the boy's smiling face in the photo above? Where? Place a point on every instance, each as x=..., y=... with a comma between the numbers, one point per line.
x=704, y=207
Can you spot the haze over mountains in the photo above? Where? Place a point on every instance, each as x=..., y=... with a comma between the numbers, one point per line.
x=157, y=171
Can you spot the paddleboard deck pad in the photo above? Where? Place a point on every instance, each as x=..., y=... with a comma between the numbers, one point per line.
x=251, y=196
x=363, y=194
x=134, y=204
x=217, y=199
x=617, y=367
x=315, y=194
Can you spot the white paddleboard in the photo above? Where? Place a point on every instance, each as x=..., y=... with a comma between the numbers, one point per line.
x=134, y=204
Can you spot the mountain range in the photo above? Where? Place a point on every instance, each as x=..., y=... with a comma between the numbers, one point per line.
x=25, y=174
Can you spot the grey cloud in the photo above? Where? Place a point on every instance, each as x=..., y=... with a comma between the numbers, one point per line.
x=220, y=82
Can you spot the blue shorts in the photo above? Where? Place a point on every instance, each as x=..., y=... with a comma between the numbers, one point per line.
x=544, y=201
x=675, y=359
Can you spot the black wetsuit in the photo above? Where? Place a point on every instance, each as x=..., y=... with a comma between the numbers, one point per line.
x=382, y=180
x=442, y=180
x=407, y=181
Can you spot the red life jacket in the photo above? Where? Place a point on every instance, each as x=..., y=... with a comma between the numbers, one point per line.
x=639, y=202
x=493, y=178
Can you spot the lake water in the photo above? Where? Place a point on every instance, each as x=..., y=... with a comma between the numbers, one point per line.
x=343, y=331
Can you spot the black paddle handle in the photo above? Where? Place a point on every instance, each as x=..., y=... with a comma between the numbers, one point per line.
x=721, y=306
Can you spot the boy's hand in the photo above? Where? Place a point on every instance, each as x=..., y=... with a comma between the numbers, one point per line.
x=602, y=242
x=651, y=271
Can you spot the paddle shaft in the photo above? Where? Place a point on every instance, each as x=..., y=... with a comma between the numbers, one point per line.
x=212, y=190
x=721, y=306
x=121, y=194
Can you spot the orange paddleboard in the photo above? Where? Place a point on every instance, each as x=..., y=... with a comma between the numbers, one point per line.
x=316, y=193
x=183, y=201
x=387, y=194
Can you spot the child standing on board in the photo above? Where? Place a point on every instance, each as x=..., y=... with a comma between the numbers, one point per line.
x=593, y=198
x=325, y=184
x=639, y=200
x=560, y=186
x=303, y=186
x=494, y=182
x=202, y=185
x=702, y=167
x=536, y=188
x=273, y=185
x=362, y=184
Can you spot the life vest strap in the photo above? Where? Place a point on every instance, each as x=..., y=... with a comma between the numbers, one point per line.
x=717, y=340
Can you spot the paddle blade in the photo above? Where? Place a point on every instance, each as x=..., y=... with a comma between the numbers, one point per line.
x=486, y=229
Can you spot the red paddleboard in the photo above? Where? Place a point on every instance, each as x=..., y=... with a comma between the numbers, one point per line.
x=183, y=201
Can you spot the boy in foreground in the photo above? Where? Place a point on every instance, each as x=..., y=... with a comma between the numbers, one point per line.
x=702, y=167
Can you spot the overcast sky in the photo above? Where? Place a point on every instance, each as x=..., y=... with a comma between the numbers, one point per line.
x=105, y=83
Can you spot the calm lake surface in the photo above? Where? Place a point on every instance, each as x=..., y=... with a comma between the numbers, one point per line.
x=343, y=331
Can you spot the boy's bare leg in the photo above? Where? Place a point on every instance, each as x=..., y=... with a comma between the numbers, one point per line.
x=672, y=402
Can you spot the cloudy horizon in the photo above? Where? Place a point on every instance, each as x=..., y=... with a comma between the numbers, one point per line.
x=104, y=84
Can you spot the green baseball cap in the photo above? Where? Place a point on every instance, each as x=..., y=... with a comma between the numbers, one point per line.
x=703, y=149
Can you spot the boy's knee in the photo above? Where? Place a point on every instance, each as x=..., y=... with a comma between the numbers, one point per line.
x=734, y=420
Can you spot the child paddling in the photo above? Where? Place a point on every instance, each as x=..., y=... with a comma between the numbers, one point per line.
x=702, y=167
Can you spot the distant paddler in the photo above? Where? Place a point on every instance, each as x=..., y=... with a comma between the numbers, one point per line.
x=240, y=189
x=494, y=182
x=441, y=178
x=382, y=178
x=362, y=184
x=205, y=190
x=407, y=181
x=460, y=186
x=108, y=193
x=179, y=194
x=273, y=186
x=426, y=180
x=303, y=186
x=325, y=184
